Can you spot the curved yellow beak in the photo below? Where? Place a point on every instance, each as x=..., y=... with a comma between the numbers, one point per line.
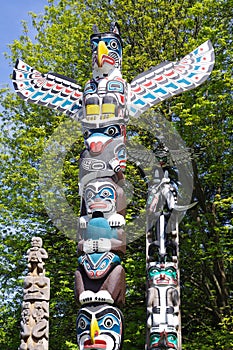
x=94, y=329
x=102, y=50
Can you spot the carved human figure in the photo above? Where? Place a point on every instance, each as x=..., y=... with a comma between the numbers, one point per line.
x=34, y=316
x=36, y=254
x=163, y=306
x=99, y=236
x=40, y=314
x=100, y=277
x=163, y=286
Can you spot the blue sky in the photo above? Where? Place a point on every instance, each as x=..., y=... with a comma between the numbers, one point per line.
x=12, y=13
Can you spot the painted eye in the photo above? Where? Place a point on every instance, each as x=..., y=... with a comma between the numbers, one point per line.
x=108, y=322
x=154, y=338
x=153, y=272
x=105, y=193
x=172, y=338
x=111, y=131
x=89, y=194
x=114, y=44
x=86, y=134
x=111, y=322
x=82, y=323
x=171, y=271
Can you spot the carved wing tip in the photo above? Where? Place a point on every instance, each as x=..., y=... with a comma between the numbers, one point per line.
x=209, y=43
x=51, y=90
x=16, y=63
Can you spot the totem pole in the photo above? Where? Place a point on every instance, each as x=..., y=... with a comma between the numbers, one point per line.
x=162, y=245
x=35, y=308
x=104, y=108
x=163, y=301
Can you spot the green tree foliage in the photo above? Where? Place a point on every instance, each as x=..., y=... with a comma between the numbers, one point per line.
x=152, y=32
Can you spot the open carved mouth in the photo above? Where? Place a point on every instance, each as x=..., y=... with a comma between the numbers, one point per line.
x=98, y=205
x=99, y=344
x=105, y=59
x=108, y=59
x=163, y=280
x=97, y=147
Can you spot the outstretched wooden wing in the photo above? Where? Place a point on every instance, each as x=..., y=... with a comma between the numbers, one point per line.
x=51, y=90
x=171, y=78
x=147, y=158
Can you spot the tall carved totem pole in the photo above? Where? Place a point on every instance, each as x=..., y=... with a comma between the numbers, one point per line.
x=104, y=108
x=35, y=309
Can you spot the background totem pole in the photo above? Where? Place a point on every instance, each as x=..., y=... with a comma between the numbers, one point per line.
x=104, y=108
x=35, y=307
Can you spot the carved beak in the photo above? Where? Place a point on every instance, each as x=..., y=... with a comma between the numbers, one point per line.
x=102, y=50
x=94, y=329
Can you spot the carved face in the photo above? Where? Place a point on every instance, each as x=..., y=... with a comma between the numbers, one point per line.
x=97, y=139
x=163, y=340
x=163, y=274
x=36, y=242
x=36, y=288
x=103, y=145
x=162, y=155
x=100, y=196
x=99, y=327
x=106, y=50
